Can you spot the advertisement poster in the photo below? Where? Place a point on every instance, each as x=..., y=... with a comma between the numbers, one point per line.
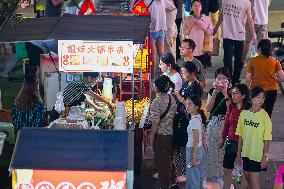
x=96, y=56
x=61, y=179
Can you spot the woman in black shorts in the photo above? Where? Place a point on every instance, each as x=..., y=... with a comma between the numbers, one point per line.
x=240, y=99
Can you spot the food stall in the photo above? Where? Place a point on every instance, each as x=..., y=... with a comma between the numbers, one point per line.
x=73, y=159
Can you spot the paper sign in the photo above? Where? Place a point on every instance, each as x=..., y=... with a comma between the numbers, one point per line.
x=96, y=56
x=59, y=179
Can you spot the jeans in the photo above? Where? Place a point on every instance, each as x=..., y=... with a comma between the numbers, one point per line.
x=269, y=102
x=157, y=35
x=196, y=174
x=187, y=5
x=233, y=48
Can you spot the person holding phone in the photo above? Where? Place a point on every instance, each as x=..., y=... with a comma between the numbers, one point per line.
x=217, y=102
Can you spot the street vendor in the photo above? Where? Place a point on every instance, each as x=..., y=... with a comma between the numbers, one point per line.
x=75, y=93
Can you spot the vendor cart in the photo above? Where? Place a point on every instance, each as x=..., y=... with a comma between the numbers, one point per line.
x=72, y=159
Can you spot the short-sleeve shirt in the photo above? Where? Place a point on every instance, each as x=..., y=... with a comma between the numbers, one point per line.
x=74, y=93
x=263, y=72
x=177, y=80
x=190, y=89
x=234, y=18
x=158, y=107
x=201, y=72
x=261, y=12
x=254, y=128
x=158, y=12
x=197, y=34
x=194, y=123
x=222, y=109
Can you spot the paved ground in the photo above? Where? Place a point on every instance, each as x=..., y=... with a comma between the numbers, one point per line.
x=276, y=149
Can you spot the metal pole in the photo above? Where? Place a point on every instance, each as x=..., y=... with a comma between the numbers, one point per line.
x=141, y=72
x=132, y=80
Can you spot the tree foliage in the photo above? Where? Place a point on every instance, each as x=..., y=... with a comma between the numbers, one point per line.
x=7, y=8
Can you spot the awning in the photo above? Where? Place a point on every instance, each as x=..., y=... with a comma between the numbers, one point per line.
x=68, y=149
x=100, y=28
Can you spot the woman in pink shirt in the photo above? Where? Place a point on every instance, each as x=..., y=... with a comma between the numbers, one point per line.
x=196, y=27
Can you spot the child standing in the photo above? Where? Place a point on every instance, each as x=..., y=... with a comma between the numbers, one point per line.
x=255, y=132
x=195, y=151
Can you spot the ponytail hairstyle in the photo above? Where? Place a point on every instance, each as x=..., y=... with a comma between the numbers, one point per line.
x=170, y=61
x=197, y=102
x=244, y=90
x=265, y=48
x=163, y=84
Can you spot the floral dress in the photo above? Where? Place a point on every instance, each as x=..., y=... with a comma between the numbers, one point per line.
x=35, y=117
x=213, y=136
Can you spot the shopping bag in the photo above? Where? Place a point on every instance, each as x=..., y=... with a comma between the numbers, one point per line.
x=208, y=43
x=216, y=47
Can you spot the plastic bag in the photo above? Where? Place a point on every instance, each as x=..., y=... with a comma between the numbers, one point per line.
x=59, y=104
x=238, y=173
x=252, y=51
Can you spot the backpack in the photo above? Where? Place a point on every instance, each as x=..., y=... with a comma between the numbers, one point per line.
x=180, y=123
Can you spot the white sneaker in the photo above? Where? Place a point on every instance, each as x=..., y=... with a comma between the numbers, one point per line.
x=155, y=176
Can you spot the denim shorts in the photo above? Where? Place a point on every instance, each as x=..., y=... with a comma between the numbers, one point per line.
x=157, y=35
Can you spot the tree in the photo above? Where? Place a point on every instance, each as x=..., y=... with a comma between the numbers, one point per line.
x=7, y=9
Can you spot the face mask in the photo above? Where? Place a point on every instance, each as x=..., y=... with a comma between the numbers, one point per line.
x=167, y=72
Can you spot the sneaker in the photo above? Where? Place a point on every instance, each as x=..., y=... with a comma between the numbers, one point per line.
x=155, y=176
x=181, y=179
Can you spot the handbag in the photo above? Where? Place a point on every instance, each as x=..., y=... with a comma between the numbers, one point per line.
x=208, y=43
x=148, y=123
x=216, y=47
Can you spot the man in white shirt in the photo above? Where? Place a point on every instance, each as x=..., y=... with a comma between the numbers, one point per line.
x=234, y=16
x=260, y=19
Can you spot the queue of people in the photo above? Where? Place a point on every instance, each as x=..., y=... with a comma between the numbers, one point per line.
x=233, y=129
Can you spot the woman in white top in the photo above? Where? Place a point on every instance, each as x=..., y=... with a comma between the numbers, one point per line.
x=195, y=151
x=171, y=32
x=169, y=68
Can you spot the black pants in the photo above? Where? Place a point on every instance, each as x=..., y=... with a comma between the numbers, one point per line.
x=204, y=59
x=178, y=42
x=269, y=102
x=233, y=48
